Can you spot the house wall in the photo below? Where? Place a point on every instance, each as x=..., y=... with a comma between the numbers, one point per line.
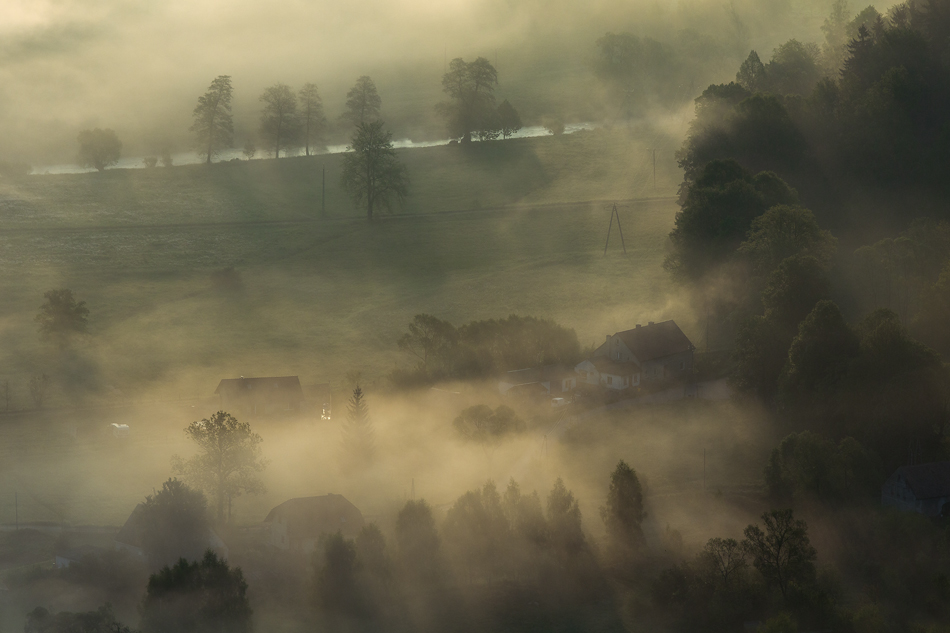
x=896, y=494
x=612, y=381
x=668, y=366
x=278, y=534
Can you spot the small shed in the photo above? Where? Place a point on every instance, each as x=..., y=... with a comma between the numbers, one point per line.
x=251, y=396
x=921, y=488
x=297, y=524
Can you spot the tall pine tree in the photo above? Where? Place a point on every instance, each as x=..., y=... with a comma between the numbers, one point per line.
x=623, y=514
x=359, y=445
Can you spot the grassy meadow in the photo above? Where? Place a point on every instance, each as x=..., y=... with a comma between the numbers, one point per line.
x=316, y=296
x=320, y=295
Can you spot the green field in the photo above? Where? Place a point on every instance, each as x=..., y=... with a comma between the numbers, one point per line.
x=323, y=295
x=318, y=297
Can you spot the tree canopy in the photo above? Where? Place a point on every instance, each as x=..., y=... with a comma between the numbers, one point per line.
x=98, y=148
x=198, y=596
x=229, y=458
x=61, y=317
x=312, y=120
x=470, y=110
x=212, y=123
x=280, y=125
x=372, y=173
x=359, y=437
x=623, y=513
x=175, y=521
x=362, y=103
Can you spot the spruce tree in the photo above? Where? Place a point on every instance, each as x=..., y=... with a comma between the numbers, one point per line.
x=623, y=514
x=359, y=445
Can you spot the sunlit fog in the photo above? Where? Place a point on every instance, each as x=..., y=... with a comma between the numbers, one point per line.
x=474, y=315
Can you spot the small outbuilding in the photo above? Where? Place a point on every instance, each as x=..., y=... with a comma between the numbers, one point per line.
x=548, y=379
x=296, y=525
x=922, y=488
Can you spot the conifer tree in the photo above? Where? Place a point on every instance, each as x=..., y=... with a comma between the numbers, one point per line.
x=359, y=446
x=623, y=514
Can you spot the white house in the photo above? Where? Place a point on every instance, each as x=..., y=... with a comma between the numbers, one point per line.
x=297, y=524
x=609, y=373
x=923, y=488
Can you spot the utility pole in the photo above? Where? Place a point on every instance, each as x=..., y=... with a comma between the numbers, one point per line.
x=653, y=150
x=614, y=212
x=323, y=193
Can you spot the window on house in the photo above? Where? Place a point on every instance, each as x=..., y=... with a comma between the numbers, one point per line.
x=610, y=380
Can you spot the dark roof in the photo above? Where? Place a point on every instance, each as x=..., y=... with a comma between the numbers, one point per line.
x=606, y=365
x=655, y=340
x=309, y=517
x=131, y=532
x=927, y=481
x=275, y=384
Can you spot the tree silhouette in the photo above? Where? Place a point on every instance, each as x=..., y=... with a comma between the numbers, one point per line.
x=61, y=317
x=471, y=106
x=229, y=458
x=508, y=119
x=362, y=103
x=193, y=597
x=212, y=123
x=782, y=553
x=371, y=170
x=312, y=119
x=175, y=524
x=279, y=123
x=359, y=446
x=623, y=513
x=98, y=148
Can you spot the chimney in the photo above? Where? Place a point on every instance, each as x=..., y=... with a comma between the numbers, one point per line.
x=638, y=326
x=650, y=323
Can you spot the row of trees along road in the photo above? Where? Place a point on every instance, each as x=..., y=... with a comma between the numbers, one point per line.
x=471, y=109
x=288, y=119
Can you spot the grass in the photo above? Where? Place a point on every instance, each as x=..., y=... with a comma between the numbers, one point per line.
x=319, y=296
x=596, y=165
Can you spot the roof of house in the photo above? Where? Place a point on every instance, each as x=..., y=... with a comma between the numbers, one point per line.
x=309, y=517
x=274, y=384
x=927, y=481
x=655, y=340
x=606, y=365
x=131, y=532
